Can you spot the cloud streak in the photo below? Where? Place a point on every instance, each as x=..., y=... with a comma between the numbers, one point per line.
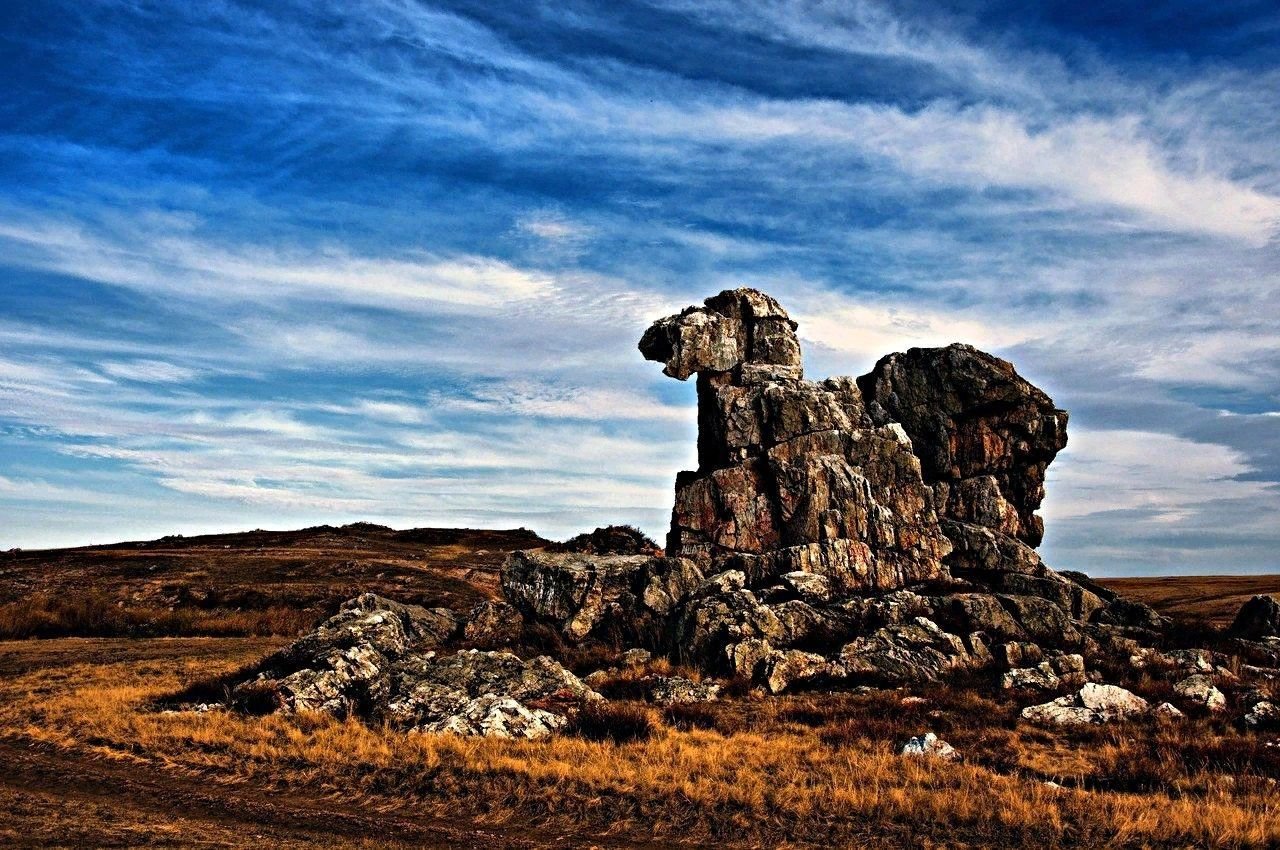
x=255, y=270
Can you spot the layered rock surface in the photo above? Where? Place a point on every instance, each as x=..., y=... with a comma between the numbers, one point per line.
x=792, y=475
x=828, y=497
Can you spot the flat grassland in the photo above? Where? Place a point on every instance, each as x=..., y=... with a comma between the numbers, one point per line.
x=1215, y=599
x=89, y=756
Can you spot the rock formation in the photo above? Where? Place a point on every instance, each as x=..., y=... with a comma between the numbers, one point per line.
x=838, y=532
x=925, y=474
x=792, y=475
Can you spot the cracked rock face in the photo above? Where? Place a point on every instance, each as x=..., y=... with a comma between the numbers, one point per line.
x=984, y=435
x=584, y=594
x=793, y=475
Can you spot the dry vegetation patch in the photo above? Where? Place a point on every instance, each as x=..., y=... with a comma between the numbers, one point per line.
x=817, y=769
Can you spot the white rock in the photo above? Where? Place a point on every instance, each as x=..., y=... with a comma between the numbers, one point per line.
x=498, y=717
x=1264, y=713
x=1094, y=703
x=1112, y=700
x=929, y=745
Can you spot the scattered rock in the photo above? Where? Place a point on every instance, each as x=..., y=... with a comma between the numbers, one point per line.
x=370, y=660
x=1167, y=710
x=636, y=657
x=1264, y=715
x=1198, y=690
x=931, y=746
x=1094, y=703
x=672, y=690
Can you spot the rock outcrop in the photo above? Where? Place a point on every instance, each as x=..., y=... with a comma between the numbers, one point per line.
x=814, y=502
x=840, y=532
x=631, y=596
x=375, y=659
x=792, y=475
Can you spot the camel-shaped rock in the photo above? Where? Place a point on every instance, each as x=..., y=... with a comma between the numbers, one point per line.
x=934, y=460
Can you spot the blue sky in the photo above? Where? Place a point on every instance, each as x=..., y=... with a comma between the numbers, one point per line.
x=276, y=264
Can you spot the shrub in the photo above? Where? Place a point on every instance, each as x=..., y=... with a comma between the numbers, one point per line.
x=619, y=722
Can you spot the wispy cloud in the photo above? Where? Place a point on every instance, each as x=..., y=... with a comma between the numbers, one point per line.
x=260, y=271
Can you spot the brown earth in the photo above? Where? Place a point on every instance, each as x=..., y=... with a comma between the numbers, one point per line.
x=93, y=795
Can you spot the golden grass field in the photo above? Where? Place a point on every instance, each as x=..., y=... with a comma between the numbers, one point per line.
x=88, y=758
x=798, y=771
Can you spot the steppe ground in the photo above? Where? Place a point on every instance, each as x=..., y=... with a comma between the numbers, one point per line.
x=90, y=757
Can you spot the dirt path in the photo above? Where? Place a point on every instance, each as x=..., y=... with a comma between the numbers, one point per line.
x=50, y=797
x=56, y=797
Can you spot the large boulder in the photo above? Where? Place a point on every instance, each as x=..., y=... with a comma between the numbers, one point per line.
x=581, y=594
x=1093, y=703
x=1257, y=618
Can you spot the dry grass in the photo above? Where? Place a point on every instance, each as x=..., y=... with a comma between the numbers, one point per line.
x=94, y=614
x=813, y=769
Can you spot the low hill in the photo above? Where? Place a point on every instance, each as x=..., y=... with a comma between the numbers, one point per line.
x=255, y=582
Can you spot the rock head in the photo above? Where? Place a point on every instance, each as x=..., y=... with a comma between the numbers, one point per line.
x=793, y=475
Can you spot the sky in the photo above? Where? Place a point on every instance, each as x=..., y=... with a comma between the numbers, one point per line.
x=286, y=263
